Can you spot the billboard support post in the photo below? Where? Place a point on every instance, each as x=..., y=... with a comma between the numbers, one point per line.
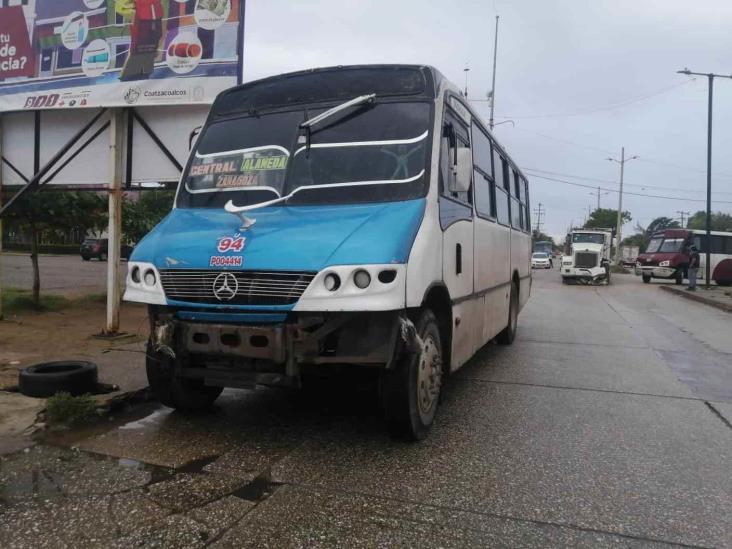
x=1, y=219
x=117, y=137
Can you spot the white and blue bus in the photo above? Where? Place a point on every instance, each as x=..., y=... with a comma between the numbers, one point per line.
x=357, y=217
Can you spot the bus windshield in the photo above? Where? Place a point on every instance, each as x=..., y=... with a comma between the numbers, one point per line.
x=653, y=245
x=369, y=153
x=672, y=245
x=588, y=238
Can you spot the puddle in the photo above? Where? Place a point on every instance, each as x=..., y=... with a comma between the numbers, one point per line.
x=129, y=416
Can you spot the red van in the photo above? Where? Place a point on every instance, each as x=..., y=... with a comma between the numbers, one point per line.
x=666, y=255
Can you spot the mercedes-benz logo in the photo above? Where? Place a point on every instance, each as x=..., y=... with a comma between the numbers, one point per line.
x=225, y=287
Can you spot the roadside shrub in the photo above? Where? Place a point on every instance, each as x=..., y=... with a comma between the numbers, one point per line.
x=62, y=408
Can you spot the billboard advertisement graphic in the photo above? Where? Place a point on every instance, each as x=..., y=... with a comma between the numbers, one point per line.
x=62, y=54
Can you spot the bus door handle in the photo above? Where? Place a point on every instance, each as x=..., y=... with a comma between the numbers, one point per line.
x=458, y=259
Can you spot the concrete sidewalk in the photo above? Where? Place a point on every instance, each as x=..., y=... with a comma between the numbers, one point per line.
x=716, y=296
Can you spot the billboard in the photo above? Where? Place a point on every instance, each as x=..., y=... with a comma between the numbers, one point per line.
x=65, y=54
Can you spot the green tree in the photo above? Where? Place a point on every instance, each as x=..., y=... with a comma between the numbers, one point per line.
x=538, y=236
x=141, y=215
x=605, y=218
x=660, y=224
x=54, y=213
x=720, y=221
x=643, y=234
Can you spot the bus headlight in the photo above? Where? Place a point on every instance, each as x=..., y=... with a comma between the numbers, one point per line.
x=365, y=287
x=150, y=278
x=362, y=279
x=143, y=284
x=331, y=282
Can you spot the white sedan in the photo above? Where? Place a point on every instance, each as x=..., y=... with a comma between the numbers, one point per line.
x=541, y=260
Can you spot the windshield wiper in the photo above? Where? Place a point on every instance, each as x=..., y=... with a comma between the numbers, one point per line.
x=360, y=100
x=308, y=124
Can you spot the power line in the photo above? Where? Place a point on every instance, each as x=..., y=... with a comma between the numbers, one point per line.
x=611, y=106
x=627, y=192
x=607, y=151
x=642, y=186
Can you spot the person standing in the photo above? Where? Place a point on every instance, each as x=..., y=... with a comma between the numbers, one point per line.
x=693, y=268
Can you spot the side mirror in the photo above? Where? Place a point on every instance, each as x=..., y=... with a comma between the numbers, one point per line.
x=462, y=169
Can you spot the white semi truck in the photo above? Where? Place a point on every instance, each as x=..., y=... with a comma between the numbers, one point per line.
x=587, y=256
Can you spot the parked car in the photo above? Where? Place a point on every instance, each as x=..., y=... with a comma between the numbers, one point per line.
x=97, y=247
x=541, y=260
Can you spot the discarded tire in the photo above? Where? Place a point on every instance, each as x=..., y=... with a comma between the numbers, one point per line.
x=48, y=378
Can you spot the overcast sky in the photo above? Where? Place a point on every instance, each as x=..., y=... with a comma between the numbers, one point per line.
x=580, y=79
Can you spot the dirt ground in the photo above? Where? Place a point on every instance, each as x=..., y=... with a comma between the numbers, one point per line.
x=29, y=337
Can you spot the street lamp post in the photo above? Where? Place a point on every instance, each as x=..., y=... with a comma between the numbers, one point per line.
x=493, y=84
x=710, y=76
x=619, y=229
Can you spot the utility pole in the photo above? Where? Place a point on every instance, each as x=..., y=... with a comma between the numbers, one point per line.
x=598, y=198
x=466, y=70
x=117, y=131
x=619, y=229
x=710, y=76
x=682, y=214
x=539, y=213
x=493, y=85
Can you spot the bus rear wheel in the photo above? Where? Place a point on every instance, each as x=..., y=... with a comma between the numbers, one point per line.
x=411, y=389
x=172, y=390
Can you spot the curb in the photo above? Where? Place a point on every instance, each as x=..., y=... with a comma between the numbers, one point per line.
x=698, y=298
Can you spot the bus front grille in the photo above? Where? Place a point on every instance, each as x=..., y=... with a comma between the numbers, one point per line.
x=235, y=287
x=585, y=260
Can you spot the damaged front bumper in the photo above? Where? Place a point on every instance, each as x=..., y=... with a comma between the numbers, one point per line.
x=246, y=355
x=586, y=276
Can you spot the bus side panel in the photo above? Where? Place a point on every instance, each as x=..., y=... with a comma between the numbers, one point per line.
x=424, y=267
x=457, y=246
x=521, y=262
x=492, y=274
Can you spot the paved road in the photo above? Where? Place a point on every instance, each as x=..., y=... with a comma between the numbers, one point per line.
x=62, y=274
x=607, y=423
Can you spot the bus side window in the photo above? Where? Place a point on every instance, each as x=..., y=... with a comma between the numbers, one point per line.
x=699, y=242
x=525, y=200
x=485, y=193
x=503, y=211
x=454, y=137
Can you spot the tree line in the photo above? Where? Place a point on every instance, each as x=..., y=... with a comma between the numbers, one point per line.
x=53, y=214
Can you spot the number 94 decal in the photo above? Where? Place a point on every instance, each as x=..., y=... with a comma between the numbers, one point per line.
x=231, y=243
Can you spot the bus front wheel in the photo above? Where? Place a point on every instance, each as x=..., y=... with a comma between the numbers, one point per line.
x=646, y=278
x=411, y=388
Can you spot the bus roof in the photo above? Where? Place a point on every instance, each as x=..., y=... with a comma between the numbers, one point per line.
x=678, y=232
x=329, y=84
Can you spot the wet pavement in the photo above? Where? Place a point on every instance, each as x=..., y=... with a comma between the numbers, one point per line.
x=607, y=423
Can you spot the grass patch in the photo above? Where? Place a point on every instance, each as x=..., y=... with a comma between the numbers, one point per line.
x=90, y=298
x=62, y=408
x=15, y=301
